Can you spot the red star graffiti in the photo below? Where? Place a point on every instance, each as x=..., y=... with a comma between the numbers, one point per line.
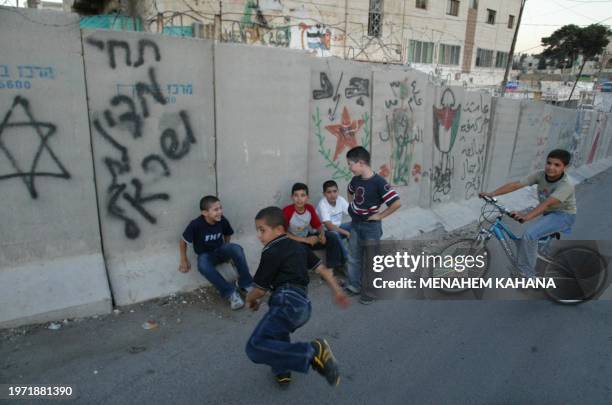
x=345, y=132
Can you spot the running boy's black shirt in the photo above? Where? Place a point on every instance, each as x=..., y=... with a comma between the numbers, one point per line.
x=284, y=261
x=206, y=237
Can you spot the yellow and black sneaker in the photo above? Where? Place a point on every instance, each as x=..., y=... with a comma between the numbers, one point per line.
x=324, y=362
x=283, y=379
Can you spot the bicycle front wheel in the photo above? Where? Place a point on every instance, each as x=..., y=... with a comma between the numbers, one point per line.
x=461, y=248
x=579, y=274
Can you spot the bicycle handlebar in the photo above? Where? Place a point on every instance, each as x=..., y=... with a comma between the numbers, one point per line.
x=501, y=208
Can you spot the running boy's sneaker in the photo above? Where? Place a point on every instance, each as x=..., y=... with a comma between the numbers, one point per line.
x=283, y=379
x=324, y=361
x=236, y=301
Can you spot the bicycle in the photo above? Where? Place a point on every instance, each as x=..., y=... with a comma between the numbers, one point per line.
x=580, y=273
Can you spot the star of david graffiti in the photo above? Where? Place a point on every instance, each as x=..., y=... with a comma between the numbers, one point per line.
x=44, y=130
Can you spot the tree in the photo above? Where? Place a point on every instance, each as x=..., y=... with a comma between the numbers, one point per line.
x=542, y=63
x=571, y=41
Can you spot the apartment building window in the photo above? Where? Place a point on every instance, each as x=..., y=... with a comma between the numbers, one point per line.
x=510, y=21
x=484, y=57
x=375, y=18
x=452, y=7
x=420, y=52
x=421, y=4
x=501, y=59
x=448, y=54
x=474, y=4
x=491, y=16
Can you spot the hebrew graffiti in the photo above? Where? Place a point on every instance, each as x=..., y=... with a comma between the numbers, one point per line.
x=113, y=45
x=445, y=128
x=129, y=194
x=31, y=127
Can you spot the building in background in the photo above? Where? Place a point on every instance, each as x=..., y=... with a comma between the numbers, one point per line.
x=460, y=42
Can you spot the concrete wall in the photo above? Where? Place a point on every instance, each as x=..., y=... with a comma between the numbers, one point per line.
x=241, y=122
x=50, y=252
x=340, y=118
x=401, y=151
x=262, y=132
x=152, y=125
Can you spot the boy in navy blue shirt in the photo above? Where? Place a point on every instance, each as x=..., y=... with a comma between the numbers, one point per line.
x=367, y=192
x=210, y=236
x=283, y=271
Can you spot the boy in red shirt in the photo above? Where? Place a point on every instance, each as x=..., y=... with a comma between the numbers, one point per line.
x=303, y=225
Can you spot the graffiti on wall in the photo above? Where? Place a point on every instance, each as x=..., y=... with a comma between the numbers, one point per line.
x=254, y=28
x=402, y=132
x=129, y=196
x=347, y=121
x=446, y=120
x=315, y=38
x=23, y=77
x=472, y=141
x=19, y=121
x=599, y=128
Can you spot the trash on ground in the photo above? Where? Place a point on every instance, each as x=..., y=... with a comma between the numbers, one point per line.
x=54, y=326
x=150, y=324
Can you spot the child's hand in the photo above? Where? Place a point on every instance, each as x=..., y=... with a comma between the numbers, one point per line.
x=312, y=240
x=322, y=238
x=184, y=266
x=518, y=216
x=342, y=300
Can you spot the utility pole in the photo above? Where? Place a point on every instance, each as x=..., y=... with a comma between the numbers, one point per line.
x=511, y=55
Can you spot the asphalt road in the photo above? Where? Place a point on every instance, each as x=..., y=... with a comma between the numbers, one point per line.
x=395, y=352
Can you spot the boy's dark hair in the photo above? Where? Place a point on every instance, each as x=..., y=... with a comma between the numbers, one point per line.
x=207, y=201
x=299, y=186
x=560, y=154
x=359, y=153
x=328, y=184
x=272, y=216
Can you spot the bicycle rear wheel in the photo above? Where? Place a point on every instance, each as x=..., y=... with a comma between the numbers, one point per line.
x=579, y=273
x=463, y=247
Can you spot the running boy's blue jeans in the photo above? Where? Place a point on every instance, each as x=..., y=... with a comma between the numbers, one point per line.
x=527, y=247
x=270, y=343
x=361, y=231
x=207, y=266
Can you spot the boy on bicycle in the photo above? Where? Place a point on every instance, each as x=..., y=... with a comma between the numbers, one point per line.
x=555, y=213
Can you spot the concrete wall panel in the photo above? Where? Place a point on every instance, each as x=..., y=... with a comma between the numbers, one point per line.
x=399, y=141
x=152, y=123
x=340, y=119
x=48, y=209
x=502, y=141
x=461, y=123
x=262, y=132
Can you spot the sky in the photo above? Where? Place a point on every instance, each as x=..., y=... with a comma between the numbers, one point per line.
x=540, y=18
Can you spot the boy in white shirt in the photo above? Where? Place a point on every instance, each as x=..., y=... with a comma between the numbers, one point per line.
x=330, y=210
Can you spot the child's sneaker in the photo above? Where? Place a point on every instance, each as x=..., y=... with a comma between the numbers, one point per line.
x=350, y=290
x=283, y=379
x=324, y=361
x=366, y=299
x=235, y=301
